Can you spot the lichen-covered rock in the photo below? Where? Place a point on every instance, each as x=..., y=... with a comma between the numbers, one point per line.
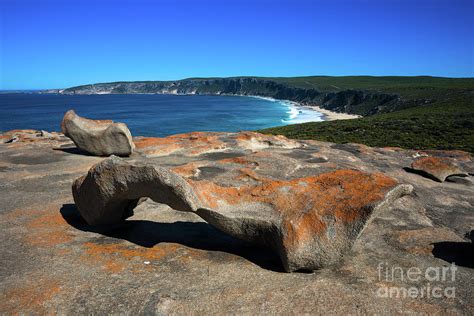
x=98, y=137
x=257, y=141
x=189, y=144
x=310, y=222
x=112, y=188
x=198, y=143
x=459, y=155
x=436, y=168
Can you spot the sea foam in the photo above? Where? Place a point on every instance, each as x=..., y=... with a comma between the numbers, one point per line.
x=300, y=114
x=296, y=113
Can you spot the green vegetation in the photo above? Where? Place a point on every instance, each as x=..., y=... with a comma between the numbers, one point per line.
x=391, y=84
x=445, y=123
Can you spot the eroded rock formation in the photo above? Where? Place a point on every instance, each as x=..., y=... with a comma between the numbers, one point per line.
x=112, y=188
x=98, y=137
x=310, y=222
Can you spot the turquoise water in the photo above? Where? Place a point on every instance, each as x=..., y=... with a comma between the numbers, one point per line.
x=152, y=114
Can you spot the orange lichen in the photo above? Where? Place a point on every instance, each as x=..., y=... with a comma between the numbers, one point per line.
x=454, y=154
x=189, y=169
x=48, y=229
x=196, y=143
x=30, y=297
x=115, y=257
x=45, y=227
x=145, y=142
x=438, y=167
x=303, y=202
x=432, y=163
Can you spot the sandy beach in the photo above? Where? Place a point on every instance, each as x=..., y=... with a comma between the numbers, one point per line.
x=332, y=116
x=327, y=114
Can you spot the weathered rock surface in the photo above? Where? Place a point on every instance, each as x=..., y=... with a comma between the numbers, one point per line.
x=310, y=222
x=460, y=179
x=163, y=261
x=29, y=135
x=257, y=141
x=98, y=137
x=112, y=188
x=437, y=168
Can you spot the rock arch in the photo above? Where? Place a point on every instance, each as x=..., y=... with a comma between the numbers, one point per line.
x=310, y=222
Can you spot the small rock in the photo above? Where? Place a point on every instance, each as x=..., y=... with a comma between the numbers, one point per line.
x=100, y=138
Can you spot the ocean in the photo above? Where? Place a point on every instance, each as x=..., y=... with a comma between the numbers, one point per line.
x=152, y=114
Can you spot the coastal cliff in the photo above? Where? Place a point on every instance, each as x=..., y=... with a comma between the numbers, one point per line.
x=352, y=101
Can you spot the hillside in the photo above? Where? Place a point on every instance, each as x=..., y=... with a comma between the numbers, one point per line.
x=438, y=114
x=410, y=112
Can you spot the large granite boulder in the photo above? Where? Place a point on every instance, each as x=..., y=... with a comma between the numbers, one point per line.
x=310, y=222
x=98, y=137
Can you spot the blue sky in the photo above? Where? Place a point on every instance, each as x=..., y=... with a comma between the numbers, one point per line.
x=56, y=44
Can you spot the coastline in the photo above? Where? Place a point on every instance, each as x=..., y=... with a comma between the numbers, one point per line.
x=298, y=113
x=326, y=115
x=295, y=108
x=331, y=115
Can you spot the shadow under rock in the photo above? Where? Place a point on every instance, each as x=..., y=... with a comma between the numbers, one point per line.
x=198, y=235
x=460, y=253
x=421, y=173
x=74, y=151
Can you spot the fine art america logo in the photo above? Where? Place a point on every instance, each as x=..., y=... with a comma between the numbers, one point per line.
x=431, y=282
